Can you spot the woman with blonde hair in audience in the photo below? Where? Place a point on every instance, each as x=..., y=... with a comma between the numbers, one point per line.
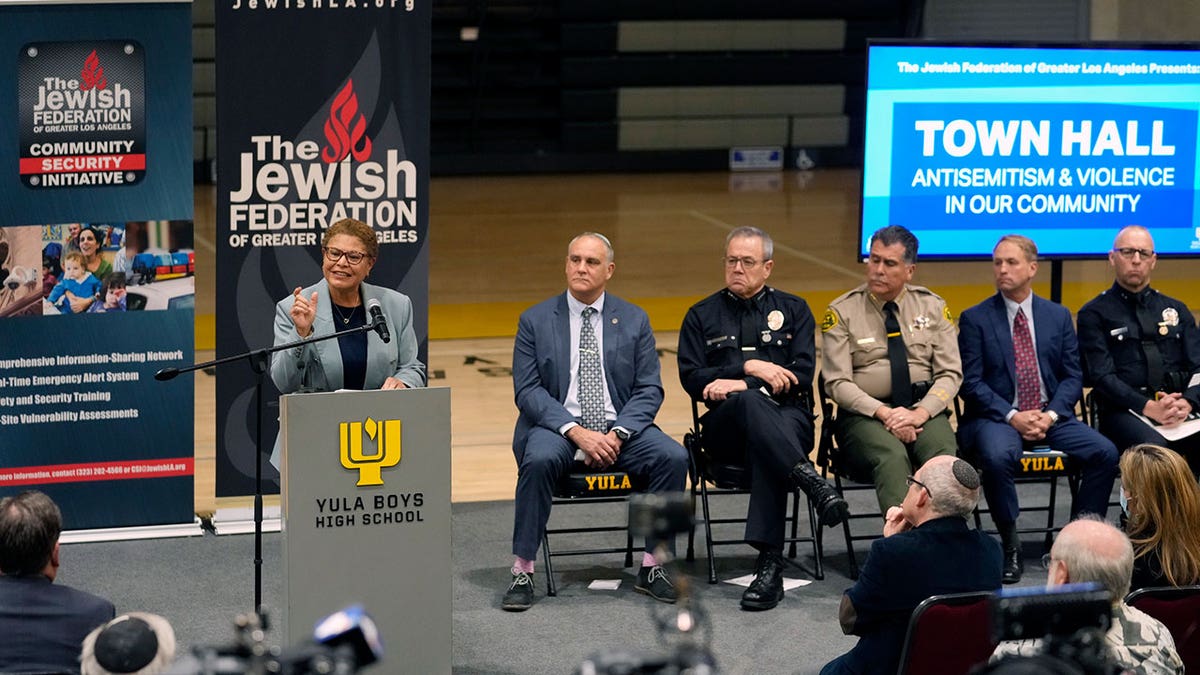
x=1162, y=500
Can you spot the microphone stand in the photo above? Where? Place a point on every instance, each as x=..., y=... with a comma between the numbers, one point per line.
x=258, y=360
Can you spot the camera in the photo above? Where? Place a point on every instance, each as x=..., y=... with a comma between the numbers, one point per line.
x=683, y=630
x=343, y=643
x=1022, y=613
x=660, y=516
x=1071, y=620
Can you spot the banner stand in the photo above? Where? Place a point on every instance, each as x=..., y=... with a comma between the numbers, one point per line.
x=192, y=529
x=240, y=520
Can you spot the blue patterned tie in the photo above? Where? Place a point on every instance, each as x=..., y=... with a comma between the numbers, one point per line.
x=591, y=383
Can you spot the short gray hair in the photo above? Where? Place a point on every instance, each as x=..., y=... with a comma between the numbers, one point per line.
x=603, y=239
x=1106, y=559
x=953, y=487
x=748, y=231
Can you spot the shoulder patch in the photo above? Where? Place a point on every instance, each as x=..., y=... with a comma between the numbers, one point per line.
x=829, y=320
x=946, y=313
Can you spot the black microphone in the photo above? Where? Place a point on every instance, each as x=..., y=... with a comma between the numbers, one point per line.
x=376, y=313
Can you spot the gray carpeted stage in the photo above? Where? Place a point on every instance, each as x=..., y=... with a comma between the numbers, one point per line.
x=201, y=583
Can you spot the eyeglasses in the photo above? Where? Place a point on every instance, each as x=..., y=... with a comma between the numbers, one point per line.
x=1127, y=252
x=913, y=481
x=1047, y=561
x=335, y=254
x=747, y=263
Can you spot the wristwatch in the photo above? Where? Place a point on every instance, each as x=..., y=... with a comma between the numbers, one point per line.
x=622, y=433
x=1053, y=417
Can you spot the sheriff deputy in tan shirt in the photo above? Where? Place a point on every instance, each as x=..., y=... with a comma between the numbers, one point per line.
x=887, y=431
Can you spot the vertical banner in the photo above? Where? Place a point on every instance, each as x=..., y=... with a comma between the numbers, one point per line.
x=96, y=259
x=322, y=114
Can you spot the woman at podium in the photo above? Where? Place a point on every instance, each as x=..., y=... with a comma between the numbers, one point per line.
x=384, y=358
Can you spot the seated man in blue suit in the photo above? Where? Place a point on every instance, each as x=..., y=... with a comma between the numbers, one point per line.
x=42, y=624
x=927, y=549
x=587, y=384
x=1021, y=381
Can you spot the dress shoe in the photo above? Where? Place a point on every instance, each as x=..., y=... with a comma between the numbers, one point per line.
x=519, y=596
x=654, y=582
x=1014, y=566
x=767, y=588
x=831, y=508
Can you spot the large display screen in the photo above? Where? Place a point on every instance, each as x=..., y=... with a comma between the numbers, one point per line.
x=1065, y=144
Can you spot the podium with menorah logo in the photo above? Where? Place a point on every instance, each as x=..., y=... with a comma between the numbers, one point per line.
x=366, y=517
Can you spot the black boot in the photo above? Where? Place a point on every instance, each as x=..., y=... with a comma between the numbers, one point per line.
x=767, y=588
x=831, y=508
x=1014, y=565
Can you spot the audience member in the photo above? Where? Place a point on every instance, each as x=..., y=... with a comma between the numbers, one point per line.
x=42, y=624
x=587, y=385
x=1090, y=549
x=927, y=549
x=890, y=362
x=748, y=352
x=1161, y=500
x=1021, y=381
x=137, y=643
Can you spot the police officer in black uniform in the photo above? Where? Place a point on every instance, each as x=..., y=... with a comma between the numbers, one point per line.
x=748, y=352
x=1141, y=352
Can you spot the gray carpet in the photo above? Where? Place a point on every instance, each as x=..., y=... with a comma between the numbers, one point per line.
x=201, y=583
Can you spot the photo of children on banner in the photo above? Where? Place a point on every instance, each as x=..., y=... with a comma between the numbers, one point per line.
x=77, y=289
x=112, y=294
x=50, y=272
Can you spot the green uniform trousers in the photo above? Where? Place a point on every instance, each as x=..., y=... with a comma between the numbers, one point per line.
x=871, y=452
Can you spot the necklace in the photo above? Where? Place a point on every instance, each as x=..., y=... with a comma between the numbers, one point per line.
x=345, y=319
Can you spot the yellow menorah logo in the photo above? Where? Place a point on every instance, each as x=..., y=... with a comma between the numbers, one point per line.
x=386, y=436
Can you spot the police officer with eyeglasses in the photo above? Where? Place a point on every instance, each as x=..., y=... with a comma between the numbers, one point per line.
x=1141, y=354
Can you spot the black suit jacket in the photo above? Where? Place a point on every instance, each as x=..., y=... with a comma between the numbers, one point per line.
x=42, y=624
x=941, y=556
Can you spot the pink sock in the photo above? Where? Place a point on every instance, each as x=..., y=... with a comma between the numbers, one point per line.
x=522, y=565
x=648, y=559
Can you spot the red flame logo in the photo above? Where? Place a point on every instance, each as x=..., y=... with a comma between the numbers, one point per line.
x=92, y=73
x=342, y=139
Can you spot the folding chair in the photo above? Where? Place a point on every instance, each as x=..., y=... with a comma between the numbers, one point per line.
x=831, y=459
x=1038, y=463
x=578, y=487
x=1178, y=609
x=712, y=477
x=948, y=635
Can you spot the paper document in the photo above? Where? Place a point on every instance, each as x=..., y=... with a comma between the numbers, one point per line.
x=788, y=584
x=1182, y=430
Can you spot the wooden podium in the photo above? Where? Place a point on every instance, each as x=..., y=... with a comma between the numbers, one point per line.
x=366, y=518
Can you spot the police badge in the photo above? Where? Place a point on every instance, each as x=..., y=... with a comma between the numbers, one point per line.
x=1170, y=316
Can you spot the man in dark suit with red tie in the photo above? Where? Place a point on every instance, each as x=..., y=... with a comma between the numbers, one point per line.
x=1021, y=381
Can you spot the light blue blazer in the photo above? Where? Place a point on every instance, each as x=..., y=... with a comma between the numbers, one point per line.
x=318, y=366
